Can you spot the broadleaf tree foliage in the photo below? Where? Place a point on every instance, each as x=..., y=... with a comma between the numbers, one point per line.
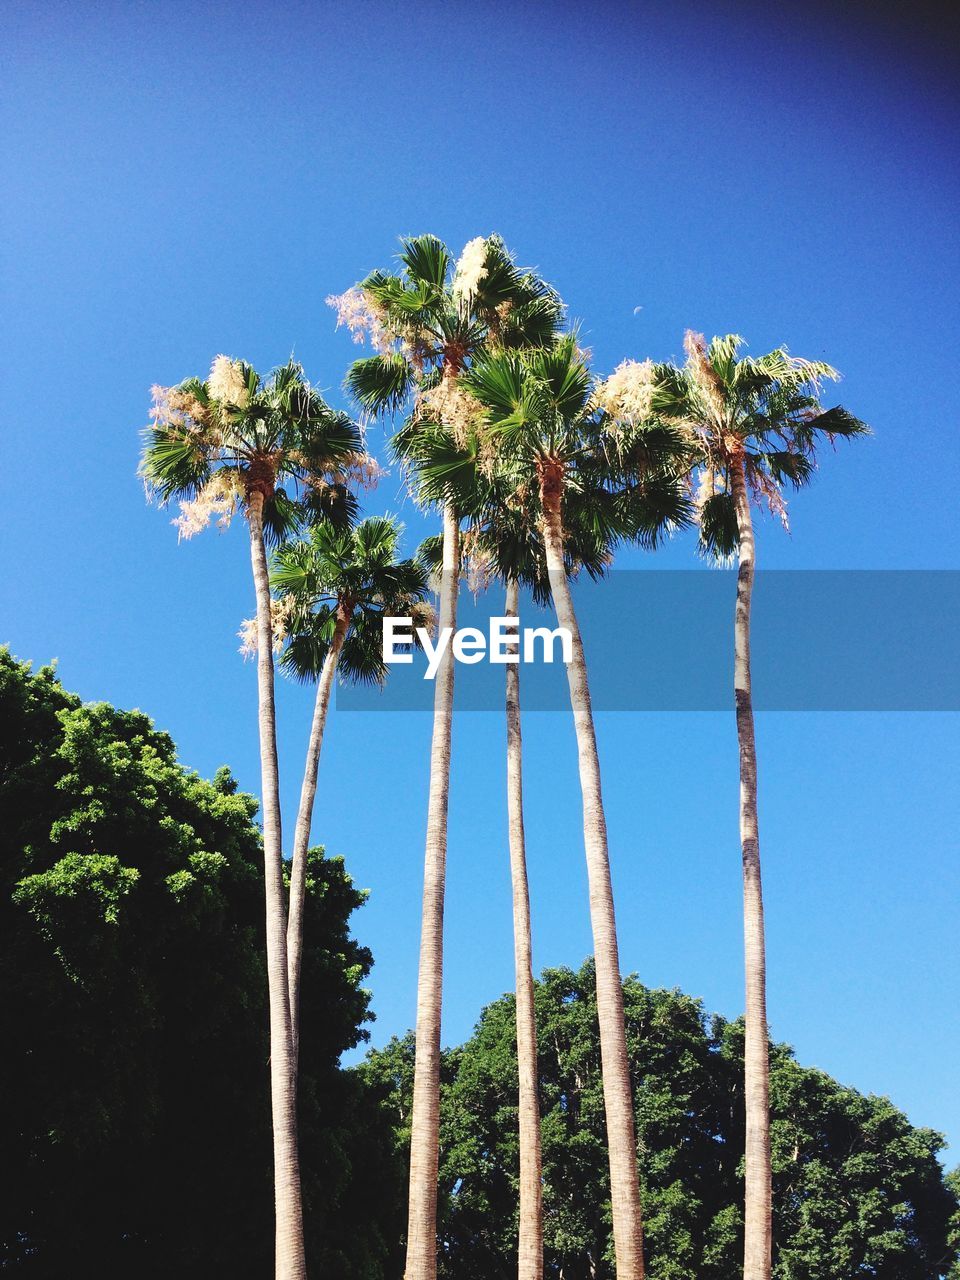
x=858, y=1191
x=134, y=1082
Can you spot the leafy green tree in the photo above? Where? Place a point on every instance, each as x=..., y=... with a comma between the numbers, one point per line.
x=858, y=1192
x=953, y=1251
x=428, y=322
x=335, y=586
x=134, y=1080
x=547, y=434
x=754, y=426
x=228, y=444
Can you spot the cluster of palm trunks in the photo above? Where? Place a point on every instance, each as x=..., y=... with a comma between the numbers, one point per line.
x=538, y=470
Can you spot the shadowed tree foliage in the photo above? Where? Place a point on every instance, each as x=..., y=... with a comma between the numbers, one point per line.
x=134, y=1083
x=858, y=1191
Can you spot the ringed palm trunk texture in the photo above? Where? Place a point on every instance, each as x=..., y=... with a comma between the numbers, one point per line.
x=615, y=1068
x=301, y=838
x=290, y=1263
x=758, y=1222
x=530, y=1252
x=421, y=1261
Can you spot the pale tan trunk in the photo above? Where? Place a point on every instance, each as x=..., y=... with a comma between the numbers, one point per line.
x=421, y=1262
x=290, y=1264
x=617, y=1092
x=758, y=1224
x=530, y=1252
x=301, y=838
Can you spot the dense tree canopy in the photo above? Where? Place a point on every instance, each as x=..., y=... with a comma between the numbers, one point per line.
x=858, y=1191
x=134, y=1092
x=134, y=1115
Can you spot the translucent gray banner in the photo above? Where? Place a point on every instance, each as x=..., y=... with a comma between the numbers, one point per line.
x=662, y=640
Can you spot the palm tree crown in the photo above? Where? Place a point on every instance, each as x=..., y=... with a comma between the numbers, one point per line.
x=765, y=413
x=213, y=444
x=544, y=423
x=435, y=314
x=357, y=572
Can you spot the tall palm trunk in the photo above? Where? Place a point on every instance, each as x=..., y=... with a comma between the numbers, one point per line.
x=530, y=1252
x=421, y=1263
x=301, y=838
x=615, y=1068
x=290, y=1264
x=758, y=1224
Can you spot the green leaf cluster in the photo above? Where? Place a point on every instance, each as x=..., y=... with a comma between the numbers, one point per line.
x=858, y=1191
x=134, y=1082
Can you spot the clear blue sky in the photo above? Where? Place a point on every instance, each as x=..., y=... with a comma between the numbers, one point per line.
x=183, y=180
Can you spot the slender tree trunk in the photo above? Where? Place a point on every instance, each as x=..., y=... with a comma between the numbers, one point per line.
x=421, y=1263
x=758, y=1222
x=617, y=1091
x=530, y=1252
x=290, y=1264
x=301, y=838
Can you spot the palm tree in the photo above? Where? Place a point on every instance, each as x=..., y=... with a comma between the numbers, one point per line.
x=428, y=322
x=504, y=542
x=754, y=425
x=530, y=1241
x=550, y=438
x=220, y=446
x=334, y=588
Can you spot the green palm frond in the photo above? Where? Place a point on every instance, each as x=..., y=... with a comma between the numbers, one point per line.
x=564, y=375
x=533, y=323
x=426, y=259
x=444, y=471
x=306, y=648
x=719, y=536
x=380, y=383
x=518, y=308
x=838, y=422
x=376, y=540
x=652, y=509
x=674, y=395
x=787, y=467
x=361, y=658
x=333, y=569
x=430, y=553
x=174, y=463
x=281, y=516
x=656, y=444
x=500, y=382
x=500, y=282
x=779, y=370
x=722, y=354
x=331, y=502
